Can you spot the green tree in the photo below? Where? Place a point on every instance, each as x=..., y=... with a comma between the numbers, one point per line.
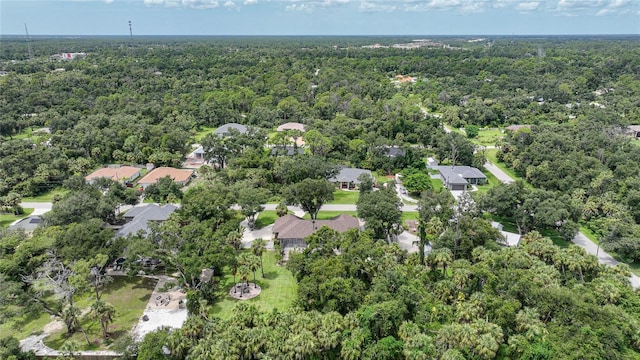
x=258, y=247
x=417, y=183
x=381, y=211
x=104, y=313
x=164, y=191
x=310, y=195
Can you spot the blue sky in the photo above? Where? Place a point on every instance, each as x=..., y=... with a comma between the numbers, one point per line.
x=320, y=17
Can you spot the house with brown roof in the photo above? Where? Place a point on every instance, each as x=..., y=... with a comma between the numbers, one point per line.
x=116, y=173
x=180, y=176
x=291, y=230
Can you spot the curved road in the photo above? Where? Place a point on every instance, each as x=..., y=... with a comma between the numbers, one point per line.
x=580, y=239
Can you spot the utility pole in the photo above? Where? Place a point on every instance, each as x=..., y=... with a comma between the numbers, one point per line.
x=130, y=35
x=28, y=41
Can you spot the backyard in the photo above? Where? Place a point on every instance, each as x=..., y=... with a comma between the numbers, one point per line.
x=345, y=197
x=279, y=289
x=129, y=296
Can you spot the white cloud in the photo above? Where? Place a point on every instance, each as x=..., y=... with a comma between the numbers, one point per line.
x=528, y=6
x=376, y=6
x=108, y=1
x=201, y=4
x=229, y=4
x=250, y=2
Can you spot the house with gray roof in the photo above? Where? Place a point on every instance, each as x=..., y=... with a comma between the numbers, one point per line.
x=291, y=230
x=394, y=151
x=458, y=177
x=226, y=128
x=347, y=178
x=138, y=218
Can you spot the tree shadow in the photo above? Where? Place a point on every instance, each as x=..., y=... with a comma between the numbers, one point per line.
x=271, y=275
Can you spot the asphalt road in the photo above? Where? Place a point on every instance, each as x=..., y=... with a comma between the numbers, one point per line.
x=580, y=239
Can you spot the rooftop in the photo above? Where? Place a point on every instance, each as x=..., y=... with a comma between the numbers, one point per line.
x=291, y=126
x=139, y=217
x=458, y=174
x=177, y=175
x=293, y=227
x=348, y=174
x=114, y=173
x=224, y=129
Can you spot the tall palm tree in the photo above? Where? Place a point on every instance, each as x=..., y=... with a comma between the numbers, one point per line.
x=441, y=258
x=254, y=265
x=244, y=272
x=104, y=313
x=258, y=247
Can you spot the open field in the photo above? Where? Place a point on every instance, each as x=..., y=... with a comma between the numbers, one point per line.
x=7, y=219
x=204, y=130
x=46, y=197
x=129, y=296
x=488, y=137
x=279, y=289
x=345, y=197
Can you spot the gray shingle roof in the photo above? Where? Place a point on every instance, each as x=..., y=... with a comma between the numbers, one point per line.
x=224, y=129
x=141, y=215
x=351, y=175
x=458, y=174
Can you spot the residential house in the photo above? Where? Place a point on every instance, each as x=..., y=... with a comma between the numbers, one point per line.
x=432, y=163
x=458, y=177
x=225, y=129
x=291, y=230
x=515, y=128
x=394, y=151
x=118, y=173
x=287, y=150
x=291, y=126
x=634, y=131
x=347, y=178
x=138, y=218
x=180, y=176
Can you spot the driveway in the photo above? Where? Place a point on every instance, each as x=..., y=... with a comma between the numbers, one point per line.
x=39, y=208
x=501, y=175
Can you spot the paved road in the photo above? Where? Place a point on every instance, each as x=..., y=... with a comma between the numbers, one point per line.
x=339, y=207
x=501, y=175
x=39, y=208
x=580, y=239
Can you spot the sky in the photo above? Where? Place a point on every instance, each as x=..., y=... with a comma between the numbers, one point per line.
x=320, y=17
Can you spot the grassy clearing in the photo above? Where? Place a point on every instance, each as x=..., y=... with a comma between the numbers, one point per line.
x=7, y=219
x=279, y=289
x=491, y=182
x=326, y=215
x=488, y=137
x=382, y=179
x=204, y=130
x=510, y=226
x=46, y=197
x=345, y=197
x=266, y=218
x=24, y=326
x=128, y=295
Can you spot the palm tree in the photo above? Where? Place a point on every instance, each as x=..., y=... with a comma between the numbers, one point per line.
x=103, y=312
x=244, y=272
x=258, y=247
x=234, y=239
x=254, y=265
x=281, y=209
x=441, y=258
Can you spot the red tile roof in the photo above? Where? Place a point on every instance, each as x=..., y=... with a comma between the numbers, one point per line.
x=116, y=174
x=177, y=175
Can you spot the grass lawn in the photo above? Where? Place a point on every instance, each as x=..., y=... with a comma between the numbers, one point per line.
x=326, y=215
x=436, y=184
x=634, y=266
x=266, y=218
x=488, y=137
x=128, y=295
x=491, y=182
x=345, y=197
x=24, y=326
x=7, y=219
x=46, y=197
x=279, y=289
x=204, y=130
x=382, y=179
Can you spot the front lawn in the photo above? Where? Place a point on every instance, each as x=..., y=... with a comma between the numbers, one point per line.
x=488, y=137
x=326, y=215
x=8, y=219
x=129, y=296
x=345, y=197
x=46, y=197
x=279, y=289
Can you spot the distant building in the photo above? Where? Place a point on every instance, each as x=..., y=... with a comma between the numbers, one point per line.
x=138, y=218
x=291, y=126
x=291, y=230
x=224, y=129
x=634, y=131
x=286, y=150
x=120, y=174
x=515, y=128
x=458, y=177
x=394, y=151
x=180, y=176
x=69, y=56
x=347, y=178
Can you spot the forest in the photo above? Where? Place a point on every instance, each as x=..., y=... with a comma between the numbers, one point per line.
x=355, y=294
